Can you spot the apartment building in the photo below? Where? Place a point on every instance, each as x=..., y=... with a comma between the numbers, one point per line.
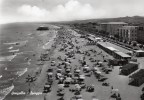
x=112, y=27
x=140, y=35
x=128, y=33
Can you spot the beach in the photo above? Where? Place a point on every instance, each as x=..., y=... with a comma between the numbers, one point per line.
x=32, y=53
x=21, y=47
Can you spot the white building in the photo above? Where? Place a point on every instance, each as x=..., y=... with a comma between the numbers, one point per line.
x=128, y=33
x=112, y=27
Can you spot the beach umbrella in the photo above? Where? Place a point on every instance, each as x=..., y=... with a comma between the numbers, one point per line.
x=77, y=86
x=78, y=70
x=82, y=76
x=95, y=68
x=95, y=99
x=61, y=78
x=115, y=90
x=61, y=86
x=59, y=69
x=47, y=86
x=68, y=79
x=59, y=75
x=50, y=73
x=86, y=67
x=98, y=72
x=67, y=63
x=69, y=73
x=79, y=97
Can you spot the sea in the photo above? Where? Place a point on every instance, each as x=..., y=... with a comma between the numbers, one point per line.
x=18, y=43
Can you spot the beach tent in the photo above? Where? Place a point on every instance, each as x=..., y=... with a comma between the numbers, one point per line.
x=68, y=79
x=82, y=76
x=115, y=90
x=98, y=72
x=79, y=97
x=77, y=86
x=77, y=70
x=50, y=73
x=95, y=69
x=61, y=86
x=95, y=99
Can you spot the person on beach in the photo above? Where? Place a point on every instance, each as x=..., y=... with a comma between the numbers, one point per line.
x=111, y=89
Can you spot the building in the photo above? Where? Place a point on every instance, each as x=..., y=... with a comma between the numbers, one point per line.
x=111, y=27
x=128, y=68
x=128, y=33
x=137, y=78
x=139, y=53
x=140, y=35
x=114, y=52
x=121, y=55
x=42, y=28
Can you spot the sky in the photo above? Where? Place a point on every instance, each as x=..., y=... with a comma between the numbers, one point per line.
x=67, y=10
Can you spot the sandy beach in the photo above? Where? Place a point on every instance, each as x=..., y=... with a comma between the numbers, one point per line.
x=58, y=46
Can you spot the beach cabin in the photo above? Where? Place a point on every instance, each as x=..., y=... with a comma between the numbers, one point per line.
x=139, y=53
x=121, y=55
x=98, y=39
x=137, y=78
x=128, y=68
x=91, y=40
x=102, y=46
x=42, y=28
x=111, y=50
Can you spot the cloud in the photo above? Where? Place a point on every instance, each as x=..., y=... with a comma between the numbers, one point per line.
x=72, y=10
x=32, y=11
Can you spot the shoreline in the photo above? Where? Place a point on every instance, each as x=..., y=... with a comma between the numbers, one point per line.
x=51, y=48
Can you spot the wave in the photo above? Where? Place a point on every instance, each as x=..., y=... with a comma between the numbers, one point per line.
x=8, y=58
x=20, y=73
x=10, y=48
x=11, y=43
x=0, y=76
x=19, y=53
x=14, y=43
x=14, y=50
x=5, y=92
x=5, y=68
x=49, y=43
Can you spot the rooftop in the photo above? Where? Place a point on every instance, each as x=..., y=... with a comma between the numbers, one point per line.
x=129, y=27
x=129, y=66
x=108, y=44
x=114, y=23
x=139, y=50
x=123, y=55
x=139, y=74
x=112, y=49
